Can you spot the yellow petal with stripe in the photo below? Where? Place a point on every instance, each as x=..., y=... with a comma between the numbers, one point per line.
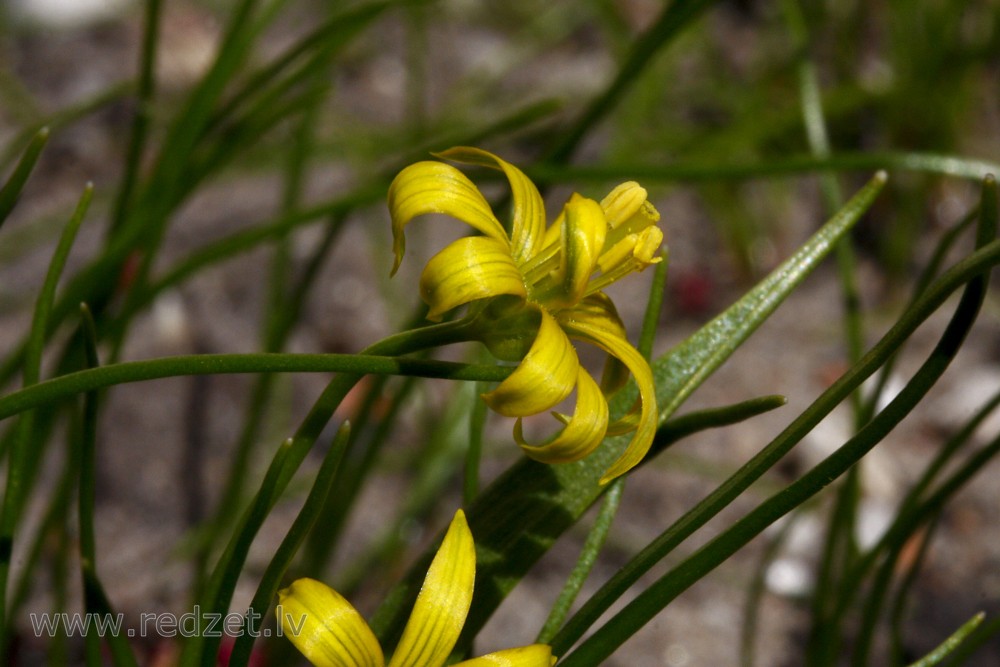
x=325, y=627
x=435, y=187
x=583, y=432
x=443, y=602
x=545, y=376
x=594, y=322
x=528, y=222
x=535, y=655
x=582, y=238
x=471, y=268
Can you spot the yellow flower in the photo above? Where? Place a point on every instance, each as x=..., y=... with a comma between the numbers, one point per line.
x=534, y=289
x=331, y=633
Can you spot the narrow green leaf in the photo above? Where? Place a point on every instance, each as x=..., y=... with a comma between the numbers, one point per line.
x=959, y=656
x=267, y=589
x=95, y=599
x=23, y=458
x=678, y=428
x=951, y=643
x=138, y=131
x=201, y=649
x=12, y=187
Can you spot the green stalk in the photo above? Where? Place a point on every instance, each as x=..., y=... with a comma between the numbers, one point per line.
x=283, y=556
x=139, y=130
x=951, y=643
x=596, y=538
x=95, y=599
x=63, y=386
x=866, y=162
x=20, y=456
x=12, y=187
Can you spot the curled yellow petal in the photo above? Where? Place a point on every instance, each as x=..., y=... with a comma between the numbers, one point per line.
x=325, y=627
x=593, y=322
x=473, y=267
x=583, y=432
x=443, y=602
x=436, y=187
x=528, y=222
x=545, y=376
x=583, y=232
x=535, y=655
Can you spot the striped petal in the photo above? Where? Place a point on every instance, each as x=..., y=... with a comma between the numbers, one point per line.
x=582, y=239
x=435, y=187
x=536, y=655
x=545, y=376
x=529, y=208
x=595, y=321
x=325, y=627
x=443, y=602
x=583, y=432
x=473, y=267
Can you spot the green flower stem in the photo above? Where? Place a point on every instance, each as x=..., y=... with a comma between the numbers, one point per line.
x=931, y=163
x=78, y=382
x=654, y=598
x=654, y=306
x=12, y=187
x=596, y=538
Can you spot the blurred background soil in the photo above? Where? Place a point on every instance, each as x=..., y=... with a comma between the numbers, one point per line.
x=149, y=494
